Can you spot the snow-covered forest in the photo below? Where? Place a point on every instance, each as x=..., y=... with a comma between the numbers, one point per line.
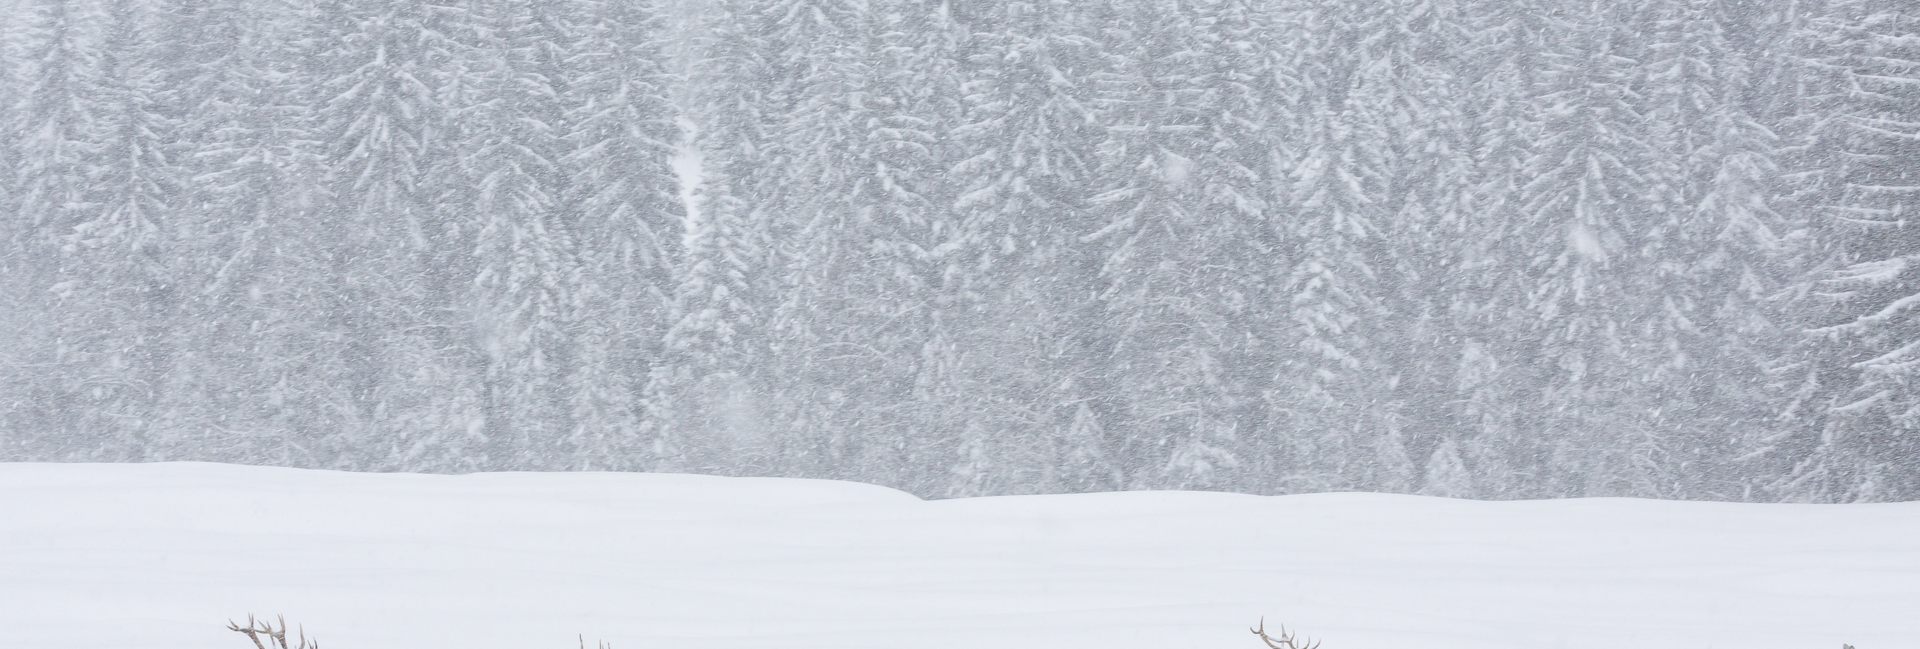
x=1479, y=248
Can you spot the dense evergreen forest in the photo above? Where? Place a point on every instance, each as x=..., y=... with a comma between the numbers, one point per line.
x=1478, y=248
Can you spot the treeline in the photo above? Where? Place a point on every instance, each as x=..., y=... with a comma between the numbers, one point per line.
x=1485, y=248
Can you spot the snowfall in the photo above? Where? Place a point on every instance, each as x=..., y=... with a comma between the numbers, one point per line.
x=161, y=556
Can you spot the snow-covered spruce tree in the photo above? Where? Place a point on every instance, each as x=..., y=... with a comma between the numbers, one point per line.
x=516, y=226
x=1446, y=474
x=1029, y=135
x=925, y=252
x=252, y=175
x=704, y=397
x=1189, y=102
x=1492, y=373
x=53, y=121
x=12, y=81
x=121, y=265
x=1598, y=221
x=866, y=226
x=622, y=134
x=54, y=126
x=378, y=68
x=919, y=241
x=1438, y=214
x=1335, y=252
x=1230, y=319
x=374, y=71
x=1725, y=258
x=16, y=311
x=1853, y=382
x=823, y=54
x=1150, y=98
x=1417, y=94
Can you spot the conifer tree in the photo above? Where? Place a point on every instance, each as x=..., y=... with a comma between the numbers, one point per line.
x=874, y=92
x=1334, y=249
x=623, y=133
x=704, y=399
x=133, y=179
x=524, y=263
x=55, y=120
x=1247, y=113
x=1494, y=377
x=823, y=60
x=1725, y=259
x=1029, y=136
x=1184, y=163
x=121, y=253
x=254, y=179
x=55, y=124
x=375, y=69
x=918, y=242
x=1855, y=441
x=1593, y=194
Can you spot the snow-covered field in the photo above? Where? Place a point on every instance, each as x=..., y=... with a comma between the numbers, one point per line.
x=159, y=556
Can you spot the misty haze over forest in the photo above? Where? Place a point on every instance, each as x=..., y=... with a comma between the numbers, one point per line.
x=1476, y=248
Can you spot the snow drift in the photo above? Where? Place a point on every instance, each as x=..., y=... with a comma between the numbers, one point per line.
x=159, y=556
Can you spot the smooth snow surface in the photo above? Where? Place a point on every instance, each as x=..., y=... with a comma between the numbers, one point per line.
x=159, y=556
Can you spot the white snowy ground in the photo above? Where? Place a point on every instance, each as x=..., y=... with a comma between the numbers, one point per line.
x=159, y=556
